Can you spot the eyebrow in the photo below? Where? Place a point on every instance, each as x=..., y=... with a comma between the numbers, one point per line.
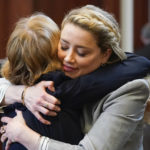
x=79, y=46
x=64, y=41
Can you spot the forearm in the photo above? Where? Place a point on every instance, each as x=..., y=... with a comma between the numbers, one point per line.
x=13, y=94
x=3, y=89
x=9, y=93
x=29, y=138
x=4, y=84
x=50, y=144
x=35, y=142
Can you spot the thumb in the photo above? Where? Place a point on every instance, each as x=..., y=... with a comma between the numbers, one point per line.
x=49, y=85
x=19, y=116
x=19, y=113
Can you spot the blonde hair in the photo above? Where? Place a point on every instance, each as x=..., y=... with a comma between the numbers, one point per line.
x=32, y=49
x=102, y=25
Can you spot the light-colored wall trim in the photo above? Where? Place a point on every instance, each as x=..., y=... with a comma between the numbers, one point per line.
x=127, y=22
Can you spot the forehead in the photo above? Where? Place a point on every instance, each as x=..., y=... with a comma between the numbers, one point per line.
x=74, y=33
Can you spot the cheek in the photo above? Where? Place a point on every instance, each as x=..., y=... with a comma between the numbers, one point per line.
x=90, y=65
x=61, y=55
x=83, y=64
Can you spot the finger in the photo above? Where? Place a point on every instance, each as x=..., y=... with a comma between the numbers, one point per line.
x=51, y=87
x=47, y=83
x=41, y=119
x=19, y=113
x=6, y=119
x=3, y=137
x=52, y=114
x=47, y=111
x=2, y=130
x=50, y=84
x=51, y=99
x=50, y=106
x=8, y=143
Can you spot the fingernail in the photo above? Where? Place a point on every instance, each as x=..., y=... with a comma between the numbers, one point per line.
x=55, y=114
x=48, y=123
x=59, y=102
x=58, y=109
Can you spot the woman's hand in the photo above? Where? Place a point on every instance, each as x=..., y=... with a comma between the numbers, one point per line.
x=16, y=130
x=9, y=131
x=37, y=100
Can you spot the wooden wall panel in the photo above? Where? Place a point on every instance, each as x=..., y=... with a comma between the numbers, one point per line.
x=56, y=11
x=10, y=12
x=140, y=18
x=3, y=28
x=112, y=6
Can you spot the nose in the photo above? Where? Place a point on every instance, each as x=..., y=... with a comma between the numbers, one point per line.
x=70, y=56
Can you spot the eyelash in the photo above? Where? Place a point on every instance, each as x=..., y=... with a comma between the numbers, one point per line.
x=64, y=48
x=80, y=54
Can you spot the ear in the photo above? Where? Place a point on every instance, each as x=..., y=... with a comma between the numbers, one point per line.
x=107, y=54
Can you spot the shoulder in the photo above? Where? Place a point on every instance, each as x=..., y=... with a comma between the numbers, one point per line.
x=135, y=86
x=129, y=99
x=134, y=56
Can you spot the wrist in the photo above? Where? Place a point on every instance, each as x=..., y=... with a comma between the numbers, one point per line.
x=33, y=140
x=10, y=97
x=23, y=95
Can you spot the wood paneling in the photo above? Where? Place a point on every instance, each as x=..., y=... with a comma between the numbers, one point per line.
x=140, y=18
x=56, y=11
x=3, y=29
x=10, y=12
x=112, y=6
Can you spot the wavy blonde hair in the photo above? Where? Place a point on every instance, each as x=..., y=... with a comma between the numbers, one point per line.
x=32, y=50
x=102, y=25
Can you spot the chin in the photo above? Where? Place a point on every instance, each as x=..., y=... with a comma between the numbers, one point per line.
x=71, y=75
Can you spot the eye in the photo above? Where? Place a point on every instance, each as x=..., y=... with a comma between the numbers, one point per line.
x=81, y=54
x=64, y=48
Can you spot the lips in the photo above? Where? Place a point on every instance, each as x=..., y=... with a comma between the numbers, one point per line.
x=68, y=68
